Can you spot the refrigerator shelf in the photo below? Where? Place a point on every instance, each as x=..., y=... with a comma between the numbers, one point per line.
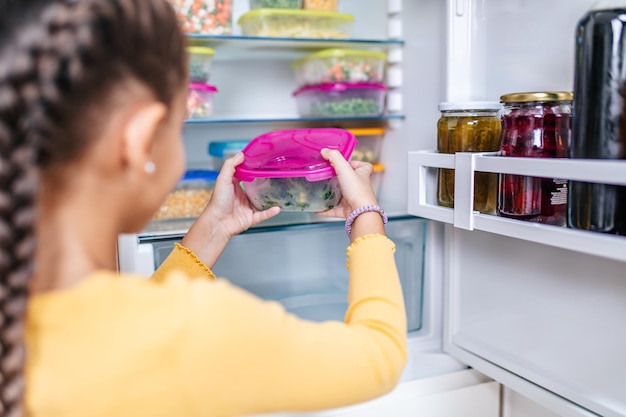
x=422, y=197
x=292, y=119
x=258, y=47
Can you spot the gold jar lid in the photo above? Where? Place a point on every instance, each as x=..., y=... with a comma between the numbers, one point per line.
x=537, y=96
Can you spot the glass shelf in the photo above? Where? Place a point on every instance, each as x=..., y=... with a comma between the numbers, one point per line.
x=292, y=119
x=254, y=47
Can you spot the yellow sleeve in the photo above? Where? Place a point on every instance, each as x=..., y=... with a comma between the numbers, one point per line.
x=184, y=260
x=242, y=355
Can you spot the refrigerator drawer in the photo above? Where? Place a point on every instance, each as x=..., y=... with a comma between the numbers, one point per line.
x=303, y=267
x=464, y=394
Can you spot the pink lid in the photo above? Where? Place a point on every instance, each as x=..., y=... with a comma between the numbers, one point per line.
x=340, y=87
x=203, y=87
x=294, y=153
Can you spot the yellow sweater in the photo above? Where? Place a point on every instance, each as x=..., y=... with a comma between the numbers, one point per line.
x=185, y=344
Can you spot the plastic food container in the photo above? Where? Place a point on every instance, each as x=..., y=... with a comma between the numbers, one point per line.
x=376, y=178
x=472, y=126
x=275, y=4
x=221, y=151
x=328, y=5
x=370, y=141
x=200, y=64
x=189, y=197
x=207, y=17
x=341, y=99
x=296, y=23
x=284, y=168
x=340, y=65
x=200, y=101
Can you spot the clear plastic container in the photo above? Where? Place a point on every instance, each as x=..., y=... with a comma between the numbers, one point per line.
x=200, y=59
x=222, y=150
x=189, y=197
x=284, y=168
x=200, y=101
x=327, y=5
x=207, y=17
x=341, y=100
x=473, y=126
x=376, y=178
x=535, y=125
x=340, y=65
x=370, y=141
x=296, y=24
x=275, y=4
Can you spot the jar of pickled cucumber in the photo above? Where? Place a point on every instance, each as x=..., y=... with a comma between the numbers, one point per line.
x=472, y=126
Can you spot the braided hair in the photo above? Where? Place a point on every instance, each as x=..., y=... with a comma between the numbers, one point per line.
x=59, y=62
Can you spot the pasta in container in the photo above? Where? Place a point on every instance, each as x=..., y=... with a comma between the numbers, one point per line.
x=291, y=23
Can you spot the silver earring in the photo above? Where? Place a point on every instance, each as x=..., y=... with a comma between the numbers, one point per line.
x=149, y=167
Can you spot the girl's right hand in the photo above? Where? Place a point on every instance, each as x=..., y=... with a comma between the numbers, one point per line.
x=354, y=180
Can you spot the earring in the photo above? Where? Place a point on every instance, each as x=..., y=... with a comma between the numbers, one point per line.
x=149, y=167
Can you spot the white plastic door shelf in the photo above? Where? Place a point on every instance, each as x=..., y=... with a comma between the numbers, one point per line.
x=422, y=200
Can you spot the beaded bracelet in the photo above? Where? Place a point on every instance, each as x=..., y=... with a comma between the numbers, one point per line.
x=356, y=213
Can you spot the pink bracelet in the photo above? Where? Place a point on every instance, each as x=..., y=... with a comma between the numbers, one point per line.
x=356, y=213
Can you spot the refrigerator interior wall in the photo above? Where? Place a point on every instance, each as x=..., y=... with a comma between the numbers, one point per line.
x=539, y=319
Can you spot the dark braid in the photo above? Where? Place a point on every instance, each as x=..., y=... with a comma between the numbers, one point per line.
x=60, y=61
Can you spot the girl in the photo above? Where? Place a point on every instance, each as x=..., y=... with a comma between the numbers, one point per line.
x=92, y=102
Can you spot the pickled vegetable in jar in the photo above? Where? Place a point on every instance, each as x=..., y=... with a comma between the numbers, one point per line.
x=535, y=125
x=469, y=127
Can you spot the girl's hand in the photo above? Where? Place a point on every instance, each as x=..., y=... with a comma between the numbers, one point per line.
x=354, y=180
x=228, y=213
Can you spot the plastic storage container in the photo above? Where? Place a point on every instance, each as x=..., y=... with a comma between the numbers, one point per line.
x=200, y=59
x=284, y=168
x=296, y=24
x=341, y=99
x=189, y=197
x=207, y=17
x=340, y=65
x=328, y=5
x=469, y=127
x=275, y=4
x=200, y=101
x=370, y=141
x=535, y=125
x=221, y=151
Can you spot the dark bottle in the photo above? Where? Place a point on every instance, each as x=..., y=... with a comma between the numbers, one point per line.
x=535, y=125
x=598, y=125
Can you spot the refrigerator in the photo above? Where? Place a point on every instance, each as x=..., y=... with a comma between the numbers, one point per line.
x=505, y=318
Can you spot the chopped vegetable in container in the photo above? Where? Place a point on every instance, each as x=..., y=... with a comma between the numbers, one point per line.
x=200, y=101
x=207, y=17
x=200, y=59
x=285, y=168
x=189, y=197
x=341, y=100
x=340, y=65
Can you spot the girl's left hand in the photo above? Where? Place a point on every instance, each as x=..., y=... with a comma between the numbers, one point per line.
x=228, y=213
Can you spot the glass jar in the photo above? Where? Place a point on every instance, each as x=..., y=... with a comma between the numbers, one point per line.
x=535, y=125
x=469, y=127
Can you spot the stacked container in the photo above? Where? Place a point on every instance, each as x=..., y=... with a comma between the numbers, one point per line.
x=341, y=83
x=201, y=93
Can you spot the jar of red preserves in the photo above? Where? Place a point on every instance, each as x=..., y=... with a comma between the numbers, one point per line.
x=535, y=125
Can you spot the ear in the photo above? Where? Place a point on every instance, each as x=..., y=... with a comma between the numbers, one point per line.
x=139, y=133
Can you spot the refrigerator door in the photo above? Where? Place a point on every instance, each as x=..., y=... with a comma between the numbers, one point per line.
x=545, y=321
